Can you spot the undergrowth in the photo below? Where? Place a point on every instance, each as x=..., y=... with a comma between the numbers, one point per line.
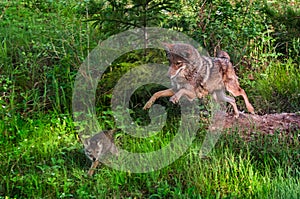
x=42, y=45
x=44, y=159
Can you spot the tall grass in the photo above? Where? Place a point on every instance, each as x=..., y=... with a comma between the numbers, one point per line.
x=279, y=87
x=274, y=80
x=42, y=45
x=44, y=159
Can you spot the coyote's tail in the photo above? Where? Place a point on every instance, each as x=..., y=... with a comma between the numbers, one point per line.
x=224, y=55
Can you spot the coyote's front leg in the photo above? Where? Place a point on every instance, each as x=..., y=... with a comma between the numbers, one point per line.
x=93, y=167
x=183, y=92
x=164, y=93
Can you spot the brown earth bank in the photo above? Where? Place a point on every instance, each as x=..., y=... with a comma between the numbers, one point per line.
x=284, y=124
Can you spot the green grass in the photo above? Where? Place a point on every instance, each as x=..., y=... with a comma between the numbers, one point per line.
x=44, y=160
x=279, y=85
x=43, y=43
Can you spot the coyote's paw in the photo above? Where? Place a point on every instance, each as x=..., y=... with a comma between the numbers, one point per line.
x=251, y=109
x=148, y=105
x=237, y=114
x=174, y=99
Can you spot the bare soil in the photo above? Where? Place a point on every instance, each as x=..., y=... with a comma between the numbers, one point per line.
x=285, y=124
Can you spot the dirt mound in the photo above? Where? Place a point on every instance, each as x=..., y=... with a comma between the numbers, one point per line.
x=280, y=122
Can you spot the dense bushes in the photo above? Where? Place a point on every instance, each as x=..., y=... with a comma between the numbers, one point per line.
x=44, y=43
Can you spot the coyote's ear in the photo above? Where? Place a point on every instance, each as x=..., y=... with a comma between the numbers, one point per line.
x=86, y=142
x=167, y=46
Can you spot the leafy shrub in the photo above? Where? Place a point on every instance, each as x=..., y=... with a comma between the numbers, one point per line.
x=284, y=18
x=279, y=88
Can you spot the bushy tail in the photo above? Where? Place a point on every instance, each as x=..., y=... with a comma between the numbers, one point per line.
x=224, y=55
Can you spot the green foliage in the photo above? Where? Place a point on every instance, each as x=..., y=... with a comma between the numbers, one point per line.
x=286, y=22
x=41, y=54
x=112, y=17
x=43, y=43
x=219, y=24
x=44, y=160
x=279, y=88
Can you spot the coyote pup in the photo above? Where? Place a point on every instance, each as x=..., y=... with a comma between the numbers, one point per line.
x=194, y=76
x=98, y=146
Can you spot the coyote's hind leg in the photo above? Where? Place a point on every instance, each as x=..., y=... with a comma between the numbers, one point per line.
x=220, y=96
x=236, y=90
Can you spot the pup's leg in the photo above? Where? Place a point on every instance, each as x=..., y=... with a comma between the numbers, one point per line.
x=236, y=90
x=189, y=94
x=164, y=93
x=93, y=167
x=220, y=96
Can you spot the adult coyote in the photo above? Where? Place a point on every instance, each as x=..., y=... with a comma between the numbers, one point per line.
x=193, y=75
